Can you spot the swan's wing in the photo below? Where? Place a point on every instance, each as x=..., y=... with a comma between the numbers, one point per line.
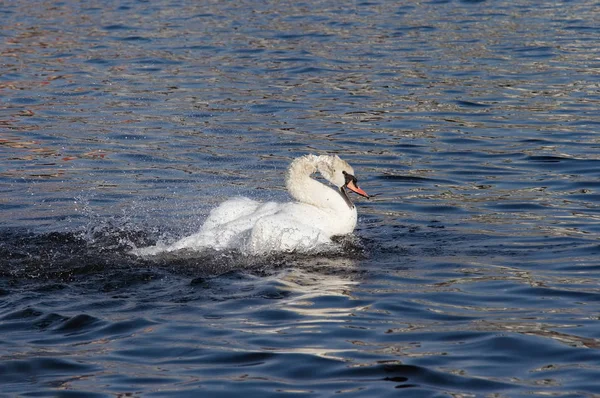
x=282, y=233
x=229, y=211
x=307, y=215
x=228, y=225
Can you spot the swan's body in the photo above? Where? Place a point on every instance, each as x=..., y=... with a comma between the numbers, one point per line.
x=319, y=213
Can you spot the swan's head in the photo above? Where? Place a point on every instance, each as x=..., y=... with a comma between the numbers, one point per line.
x=341, y=174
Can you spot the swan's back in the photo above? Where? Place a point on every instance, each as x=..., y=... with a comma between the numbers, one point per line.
x=230, y=210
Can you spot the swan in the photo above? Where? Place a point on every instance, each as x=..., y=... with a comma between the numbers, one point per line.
x=317, y=213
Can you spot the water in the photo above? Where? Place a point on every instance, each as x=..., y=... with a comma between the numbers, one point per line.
x=473, y=271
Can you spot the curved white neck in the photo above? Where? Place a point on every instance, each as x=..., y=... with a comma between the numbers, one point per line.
x=307, y=190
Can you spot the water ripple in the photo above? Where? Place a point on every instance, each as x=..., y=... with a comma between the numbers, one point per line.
x=473, y=269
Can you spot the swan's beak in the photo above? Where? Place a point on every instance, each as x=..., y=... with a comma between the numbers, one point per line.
x=354, y=188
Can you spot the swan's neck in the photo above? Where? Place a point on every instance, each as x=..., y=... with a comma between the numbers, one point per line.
x=307, y=190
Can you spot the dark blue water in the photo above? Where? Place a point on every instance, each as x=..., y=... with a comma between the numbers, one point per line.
x=472, y=272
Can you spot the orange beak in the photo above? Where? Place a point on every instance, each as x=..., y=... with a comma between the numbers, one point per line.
x=351, y=186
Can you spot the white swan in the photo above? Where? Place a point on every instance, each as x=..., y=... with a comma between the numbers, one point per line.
x=319, y=213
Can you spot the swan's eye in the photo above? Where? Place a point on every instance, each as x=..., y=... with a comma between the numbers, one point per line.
x=348, y=177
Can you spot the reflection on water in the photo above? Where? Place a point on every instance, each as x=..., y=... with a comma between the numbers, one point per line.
x=473, y=270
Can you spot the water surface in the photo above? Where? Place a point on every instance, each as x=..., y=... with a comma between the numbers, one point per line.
x=472, y=272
